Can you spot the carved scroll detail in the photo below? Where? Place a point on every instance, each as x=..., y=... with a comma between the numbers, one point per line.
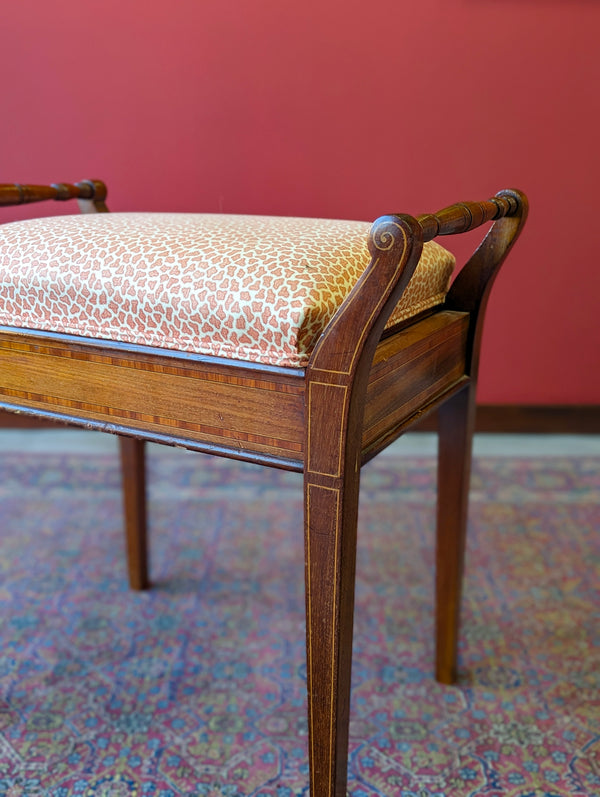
x=385, y=234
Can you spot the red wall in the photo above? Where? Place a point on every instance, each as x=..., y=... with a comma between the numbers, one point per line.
x=343, y=109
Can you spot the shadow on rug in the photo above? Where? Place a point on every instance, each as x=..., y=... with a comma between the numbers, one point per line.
x=197, y=687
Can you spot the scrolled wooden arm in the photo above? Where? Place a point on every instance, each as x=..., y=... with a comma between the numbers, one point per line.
x=395, y=244
x=471, y=289
x=90, y=193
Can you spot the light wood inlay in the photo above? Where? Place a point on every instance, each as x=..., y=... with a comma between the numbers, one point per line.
x=357, y=393
x=330, y=399
x=190, y=399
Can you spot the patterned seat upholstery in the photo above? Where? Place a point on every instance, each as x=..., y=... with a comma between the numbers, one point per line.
x=251, y=288
x=311, y=296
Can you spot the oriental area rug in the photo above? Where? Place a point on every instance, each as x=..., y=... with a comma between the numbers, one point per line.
x=197, y=687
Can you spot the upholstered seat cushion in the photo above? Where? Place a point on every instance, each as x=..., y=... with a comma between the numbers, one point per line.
x=258, y=288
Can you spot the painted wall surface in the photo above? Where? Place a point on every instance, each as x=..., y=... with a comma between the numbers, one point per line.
x=338, y=109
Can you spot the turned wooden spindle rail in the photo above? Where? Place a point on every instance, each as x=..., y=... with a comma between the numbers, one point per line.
x=359, y=391
x=465, y=216
x=87, y=191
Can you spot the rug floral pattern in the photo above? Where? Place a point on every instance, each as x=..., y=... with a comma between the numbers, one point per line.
x=197, y=686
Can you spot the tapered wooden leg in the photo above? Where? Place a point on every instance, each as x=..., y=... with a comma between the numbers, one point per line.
x=133, y=467
x=456, y=422
x=330, y=547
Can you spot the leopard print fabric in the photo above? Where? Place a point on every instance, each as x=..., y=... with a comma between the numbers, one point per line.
x=258, y=288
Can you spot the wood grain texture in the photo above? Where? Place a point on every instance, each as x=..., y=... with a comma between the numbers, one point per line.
x=466, y=216
x=471, y=289
x=195, y=400
x=542, y=419
x=133, y=469
x=91, y=192
x=456, y=418
x=91, y=196
x=337, y=377
x=346, y=357
x=358, y=392
x=410, y=370
x=215, y=402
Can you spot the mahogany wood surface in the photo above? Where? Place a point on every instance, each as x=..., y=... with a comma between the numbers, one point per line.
x=361, y=388
x=90, y=196
x=411, y=369
x=196, y=401
x=553, y=419
x=206, y=405
x=465, y=216
x=455, y=430
x=89, y=193
x=133, y=467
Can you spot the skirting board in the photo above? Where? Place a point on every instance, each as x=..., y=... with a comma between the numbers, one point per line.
x=498, y=418
x=530, y=419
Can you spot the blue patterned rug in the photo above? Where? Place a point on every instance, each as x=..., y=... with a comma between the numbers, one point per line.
x=197, y=687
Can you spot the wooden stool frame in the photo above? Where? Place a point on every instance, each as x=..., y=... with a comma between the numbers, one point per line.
x=362, y=388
